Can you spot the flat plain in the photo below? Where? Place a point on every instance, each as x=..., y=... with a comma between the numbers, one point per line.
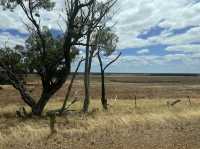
x=151, y=124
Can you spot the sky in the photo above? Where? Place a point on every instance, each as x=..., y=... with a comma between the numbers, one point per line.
x=155, y=36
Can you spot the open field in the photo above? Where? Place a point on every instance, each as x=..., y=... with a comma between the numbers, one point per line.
x=150, y=125
x=122, y=87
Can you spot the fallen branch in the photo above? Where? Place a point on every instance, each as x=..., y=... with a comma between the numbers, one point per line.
x=70, y=86
x=173, y=103
x=58, y=112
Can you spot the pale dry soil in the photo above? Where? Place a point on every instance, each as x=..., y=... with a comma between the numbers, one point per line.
x=150, y=125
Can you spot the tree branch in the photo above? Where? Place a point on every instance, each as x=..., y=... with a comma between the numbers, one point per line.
x=112, y=61
x=70, y=85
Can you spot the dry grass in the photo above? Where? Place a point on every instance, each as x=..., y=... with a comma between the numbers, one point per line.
x=152, y=125
x=125, y=87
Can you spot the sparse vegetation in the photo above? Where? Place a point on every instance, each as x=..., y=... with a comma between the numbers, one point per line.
x=121, y=126
x=45, y=106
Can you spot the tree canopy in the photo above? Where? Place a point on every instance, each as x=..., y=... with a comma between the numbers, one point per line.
x=46, y=55
x=35, y=4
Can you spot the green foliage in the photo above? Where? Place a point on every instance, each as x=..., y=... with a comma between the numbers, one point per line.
x=30, y=58
x=106, y=40
x=12, y=59
x=9, y=56
x=54, y=52
x=34, y=4
x=46, y=4
x=34, y=57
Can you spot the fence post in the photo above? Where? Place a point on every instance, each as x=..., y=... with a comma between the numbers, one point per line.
x=52, y=120
x=189, y=100
x=135, y=101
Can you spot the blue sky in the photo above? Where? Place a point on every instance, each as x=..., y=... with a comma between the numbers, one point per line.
x=155, y=36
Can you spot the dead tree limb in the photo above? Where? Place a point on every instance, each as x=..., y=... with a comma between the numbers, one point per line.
x=173, y=103
x=70, y=86
x=103, y=89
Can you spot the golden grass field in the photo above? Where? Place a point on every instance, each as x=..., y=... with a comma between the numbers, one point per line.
x=150, y=125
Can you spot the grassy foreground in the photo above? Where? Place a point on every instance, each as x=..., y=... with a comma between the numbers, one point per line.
x=152, y=125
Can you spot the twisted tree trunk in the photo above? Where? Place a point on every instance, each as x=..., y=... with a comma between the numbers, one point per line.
x=39, y=107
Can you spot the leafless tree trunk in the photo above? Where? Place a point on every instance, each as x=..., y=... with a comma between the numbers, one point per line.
x=97, y=14
x=70, y=87
x=103, y=89
x=87, y=76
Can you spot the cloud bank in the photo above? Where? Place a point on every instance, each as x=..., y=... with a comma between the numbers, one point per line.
x=154, y=35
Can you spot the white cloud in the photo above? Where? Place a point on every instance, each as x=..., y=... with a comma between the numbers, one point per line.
x=192, y=48
x=190, y=36
x=7, y=39
x=133, y=18
x=16, y=19
x=143, y=51
x=160, y=60
x=139, y=16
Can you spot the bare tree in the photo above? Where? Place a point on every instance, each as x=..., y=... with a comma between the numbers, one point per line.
x=103, y=89
x=63, y=108
x=105, y=41
x=97, y=14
